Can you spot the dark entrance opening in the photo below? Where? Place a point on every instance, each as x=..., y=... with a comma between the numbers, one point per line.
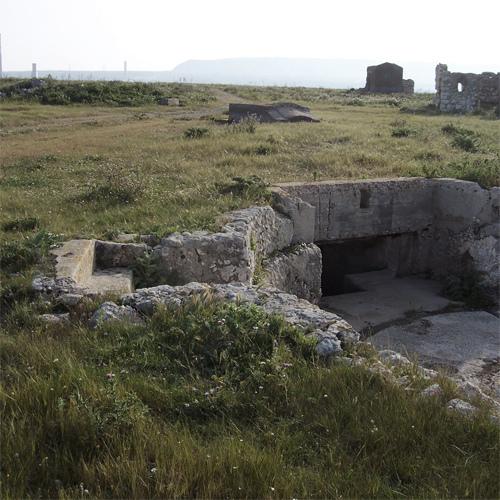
x=350, y=257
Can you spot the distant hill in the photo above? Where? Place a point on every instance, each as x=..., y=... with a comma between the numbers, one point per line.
x=331, y=73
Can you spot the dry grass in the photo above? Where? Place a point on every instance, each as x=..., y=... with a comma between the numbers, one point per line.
x=180, y=175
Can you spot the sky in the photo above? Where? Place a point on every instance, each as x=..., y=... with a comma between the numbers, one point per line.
x=159, y=34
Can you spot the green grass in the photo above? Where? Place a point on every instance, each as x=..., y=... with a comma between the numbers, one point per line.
x=219, y=401
x=210, y=400
x=50, y=156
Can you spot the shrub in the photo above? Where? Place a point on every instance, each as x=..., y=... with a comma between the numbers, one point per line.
x=463, y=138
x=486, y=171
x=467, y=288
x=402, y=132
x=467, y=143
x=146, y=271
x=21, y=224
x=196, y=133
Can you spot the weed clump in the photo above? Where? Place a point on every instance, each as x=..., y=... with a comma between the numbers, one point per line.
x=246, y=126
x=462, y=138
x=251, y=187
x=196, y=133
x=485, y=171
x=21, y=224
x=18, y=255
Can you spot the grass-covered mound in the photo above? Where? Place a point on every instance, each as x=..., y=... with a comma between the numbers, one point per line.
x=118, y=93
x=218, y=401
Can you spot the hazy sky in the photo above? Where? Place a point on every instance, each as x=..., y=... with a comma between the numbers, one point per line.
x=158, y=34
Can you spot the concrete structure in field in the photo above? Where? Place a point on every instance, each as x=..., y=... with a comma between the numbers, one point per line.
x=125, y=69
x=387, y=78
x=34, y=72
x=466, y=92
x=280, y=112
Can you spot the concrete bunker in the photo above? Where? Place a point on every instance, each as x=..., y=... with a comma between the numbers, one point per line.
x=388, y=245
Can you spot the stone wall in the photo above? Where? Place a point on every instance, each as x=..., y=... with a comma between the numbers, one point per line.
x=466, y=92
x=226, y=256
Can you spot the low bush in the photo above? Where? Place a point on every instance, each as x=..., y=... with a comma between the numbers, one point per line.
x=467, y=143
x=462, y=138
x=196, y=133
x=263, y=150
x=251, y=187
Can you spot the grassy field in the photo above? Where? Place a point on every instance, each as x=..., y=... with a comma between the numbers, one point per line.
x=211, y=400
x=53, y=158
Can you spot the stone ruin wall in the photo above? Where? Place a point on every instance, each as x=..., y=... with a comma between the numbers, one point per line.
x=466, y=92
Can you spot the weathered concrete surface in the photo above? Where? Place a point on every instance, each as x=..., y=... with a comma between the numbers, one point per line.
x=360, y=209
x=114, y=280
x=74, y=259
x=385, y=299
x=205, y=257
x=302, y=214
x=329, y=330
x=296, y=270
x=466, y=343
x=280, y=112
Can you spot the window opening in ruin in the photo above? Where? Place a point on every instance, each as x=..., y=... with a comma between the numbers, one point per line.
x=460, y=87
x=364, y=201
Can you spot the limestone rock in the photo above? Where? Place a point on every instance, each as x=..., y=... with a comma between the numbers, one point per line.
x=393, y=358
x=55, y=319
x=462, y=407
x=109, y=311
x=433, y=391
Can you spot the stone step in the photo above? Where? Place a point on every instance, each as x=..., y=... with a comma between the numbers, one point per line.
x=113, y=280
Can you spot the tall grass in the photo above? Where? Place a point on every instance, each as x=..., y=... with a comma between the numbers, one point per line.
x=217, y=401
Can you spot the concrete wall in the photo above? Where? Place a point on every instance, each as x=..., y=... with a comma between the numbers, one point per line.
x=442, y=225
x=359, y=209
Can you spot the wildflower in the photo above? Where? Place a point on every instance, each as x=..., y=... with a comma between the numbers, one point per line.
x=110, y=375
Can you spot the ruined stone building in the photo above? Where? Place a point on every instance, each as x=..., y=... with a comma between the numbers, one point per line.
x=466, y=92
x=387, y=78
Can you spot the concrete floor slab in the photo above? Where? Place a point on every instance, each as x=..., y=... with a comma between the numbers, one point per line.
x=466, y=343
x=113, y=280
x=385, y=299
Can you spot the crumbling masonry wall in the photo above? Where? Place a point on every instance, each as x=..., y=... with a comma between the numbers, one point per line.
x=466, y=92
